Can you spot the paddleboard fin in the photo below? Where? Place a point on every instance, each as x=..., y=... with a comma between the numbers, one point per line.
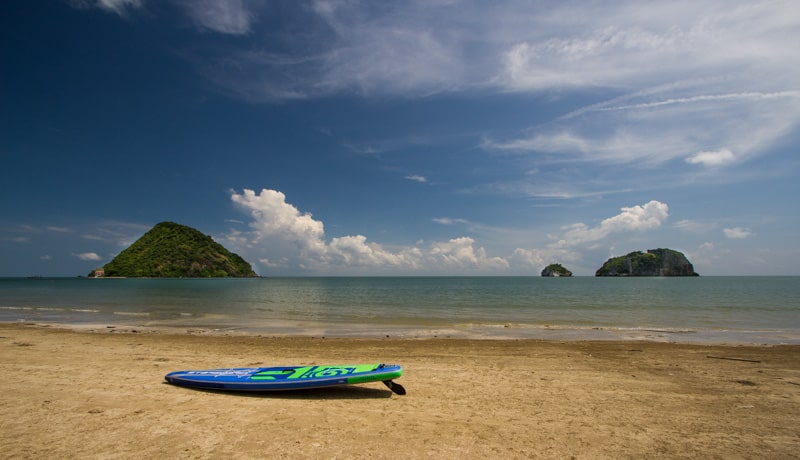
x=395, y=387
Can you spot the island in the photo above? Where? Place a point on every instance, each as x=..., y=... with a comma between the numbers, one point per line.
x=654, y=262
x=171, y=250
x=555, y=270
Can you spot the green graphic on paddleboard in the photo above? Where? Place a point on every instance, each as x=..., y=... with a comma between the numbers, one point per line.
x=312, y=372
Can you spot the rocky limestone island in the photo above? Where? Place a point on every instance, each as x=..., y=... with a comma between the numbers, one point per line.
x=171, y=250
x=655, y=262
x=555, y=270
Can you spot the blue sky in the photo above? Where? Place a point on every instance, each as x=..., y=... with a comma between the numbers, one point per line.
x=435, y=137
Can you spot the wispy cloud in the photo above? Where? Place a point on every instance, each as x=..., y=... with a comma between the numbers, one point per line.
x=16, y=239
x=737, y=233
x=694, y=226
x=449, y=220
x=652, y=133
x=417, y=178
x=114, y=232
x=120, y=7
x=59, y=229
x=418, y=48
x=224, y=16
x=698, y=85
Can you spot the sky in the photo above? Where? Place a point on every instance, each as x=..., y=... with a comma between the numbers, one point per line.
x=418, y=137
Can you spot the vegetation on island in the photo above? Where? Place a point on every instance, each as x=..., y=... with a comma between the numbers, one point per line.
x=171, y=250
x=556, y=270
x=654, y=262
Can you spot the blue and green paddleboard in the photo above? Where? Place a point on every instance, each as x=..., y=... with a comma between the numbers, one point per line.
x=287, y=377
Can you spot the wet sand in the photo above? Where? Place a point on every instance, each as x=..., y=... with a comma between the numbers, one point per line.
x=86, y=394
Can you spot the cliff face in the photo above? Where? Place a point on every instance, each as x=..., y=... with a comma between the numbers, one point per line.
x=171, y=250
x=655, y=262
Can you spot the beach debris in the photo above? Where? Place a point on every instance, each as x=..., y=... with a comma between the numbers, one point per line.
x=733, y=359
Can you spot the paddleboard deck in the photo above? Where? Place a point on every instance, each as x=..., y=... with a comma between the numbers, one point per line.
x=287, y=377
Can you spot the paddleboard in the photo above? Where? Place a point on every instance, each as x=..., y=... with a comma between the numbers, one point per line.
x=287, y=377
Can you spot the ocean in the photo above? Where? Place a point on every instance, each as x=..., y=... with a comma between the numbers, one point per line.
x=753, y=310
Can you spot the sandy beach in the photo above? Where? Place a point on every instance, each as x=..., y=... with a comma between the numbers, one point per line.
x=101, y=394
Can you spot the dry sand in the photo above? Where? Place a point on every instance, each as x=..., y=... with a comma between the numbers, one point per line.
x=101, y=395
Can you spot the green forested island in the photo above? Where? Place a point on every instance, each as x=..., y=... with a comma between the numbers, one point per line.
x=171, y=250
x=654, y=262
x=556, y=270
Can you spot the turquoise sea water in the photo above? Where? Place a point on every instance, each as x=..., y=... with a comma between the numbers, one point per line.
x=696, y=309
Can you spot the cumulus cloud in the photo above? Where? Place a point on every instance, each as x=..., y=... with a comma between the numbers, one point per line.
x=714, y=158
x=635, y=218
x=737, y=233
x=281, y=237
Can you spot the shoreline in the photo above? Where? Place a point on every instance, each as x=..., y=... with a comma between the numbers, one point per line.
x=102, y=394
x=458, y=331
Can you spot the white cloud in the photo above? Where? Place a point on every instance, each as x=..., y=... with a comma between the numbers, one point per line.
x=417, y=178
x=88, y=256
x=715, y=158
x=59, y=229
x=737, y=233
x=528, y=258
x=631, y=44
x=418, y=48
x=115, y=232
x=708, y=82
x=119, y=7
x=273, y=216
x=635, y=218
x=694, y=226
x=283, y=238
x=651, y=133
x=449, y=221
x=16, y=239
x=223, y=16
